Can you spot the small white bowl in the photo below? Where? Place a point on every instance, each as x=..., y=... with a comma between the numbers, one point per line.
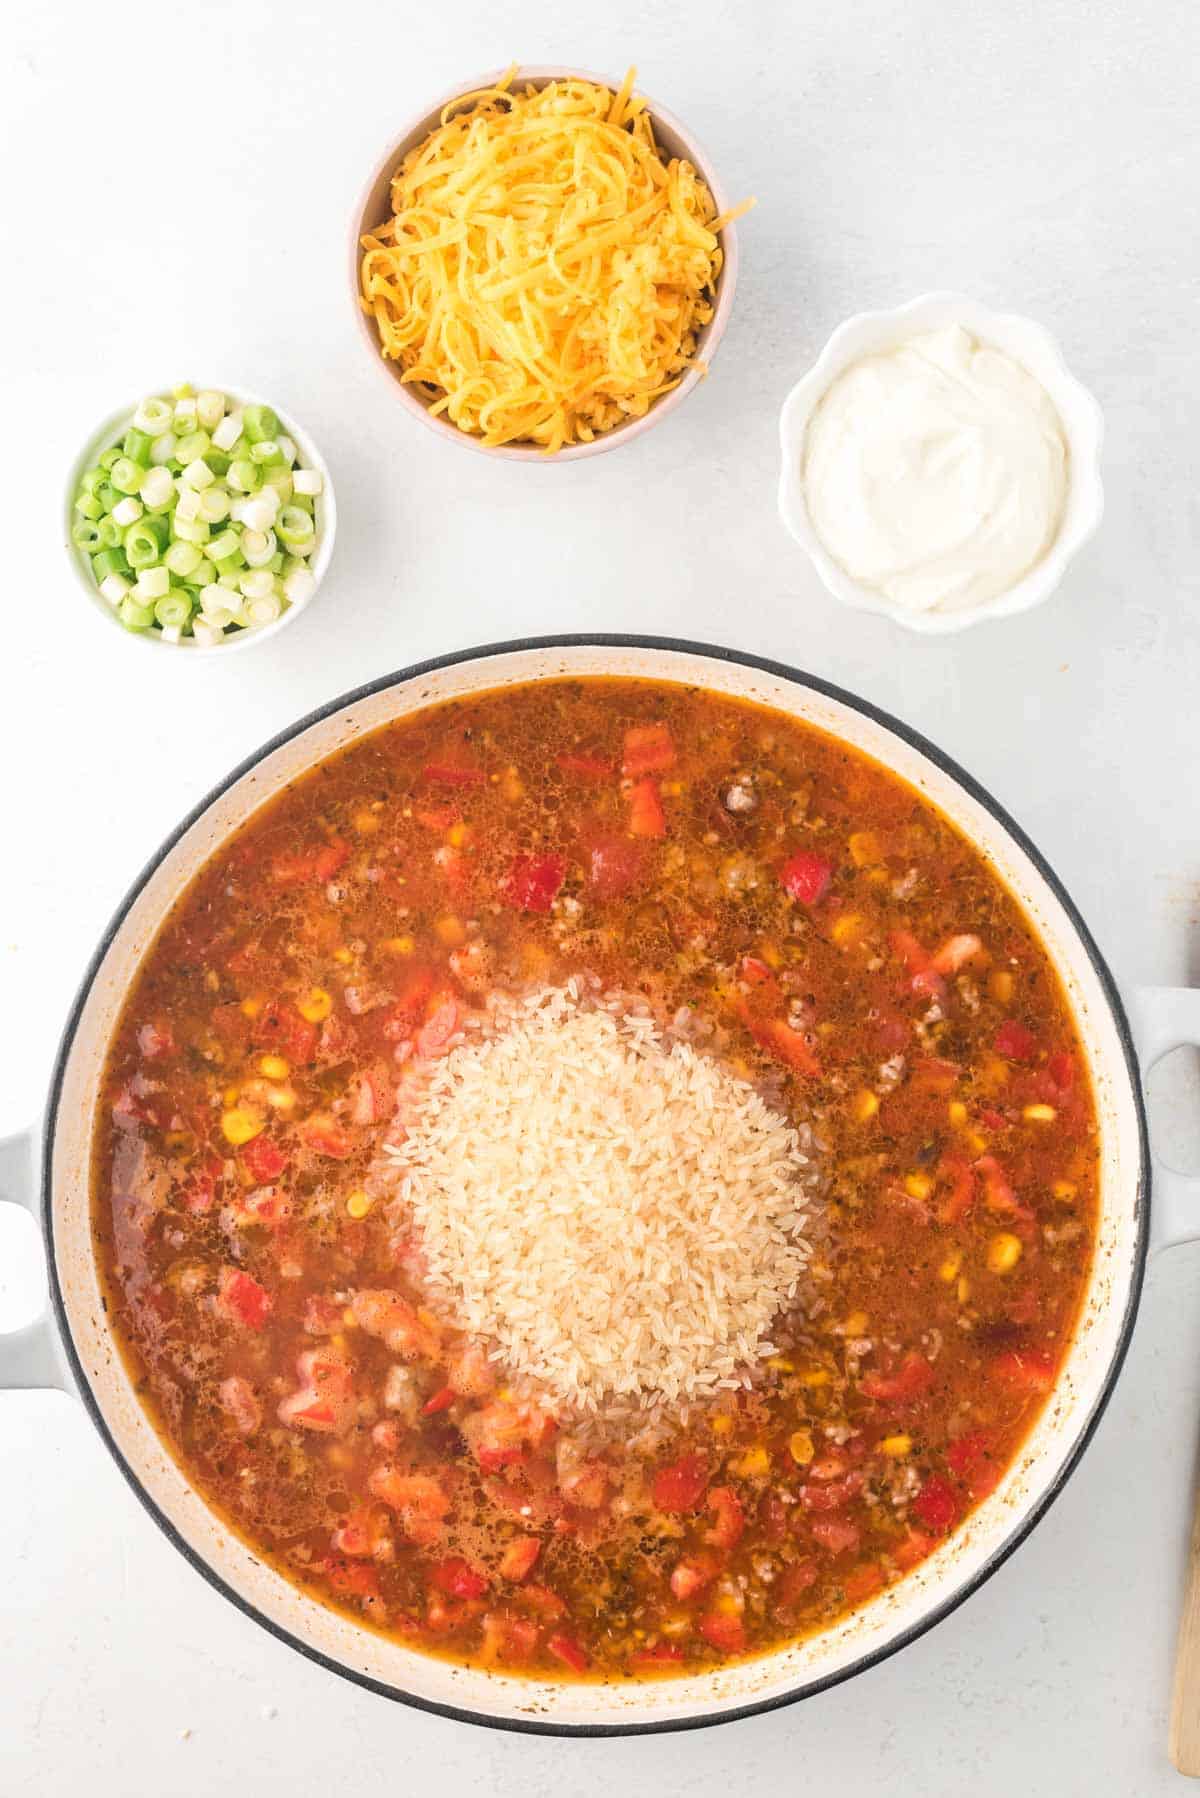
x=324, y=515
x=1037, y=352
x=674, y=139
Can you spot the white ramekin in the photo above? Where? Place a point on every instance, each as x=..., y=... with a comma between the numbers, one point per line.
x=1027, y=343
x=111, y=431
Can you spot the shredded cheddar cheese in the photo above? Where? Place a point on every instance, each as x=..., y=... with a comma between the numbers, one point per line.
x=545, y=272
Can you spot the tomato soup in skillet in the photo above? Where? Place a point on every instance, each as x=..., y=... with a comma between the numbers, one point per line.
x=596, y=1180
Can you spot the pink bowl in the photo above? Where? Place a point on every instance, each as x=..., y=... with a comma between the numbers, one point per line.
x=374, y=206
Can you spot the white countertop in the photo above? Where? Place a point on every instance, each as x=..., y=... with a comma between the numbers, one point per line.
x=1039, y=154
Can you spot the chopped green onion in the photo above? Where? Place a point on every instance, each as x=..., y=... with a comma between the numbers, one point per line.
x=299, y=585
x=163, y=449
x=264, y=610
x=152, y=583
x=114, y=587
x=161, y=528
x=226, y=434
x=287, y=449
x=307, y=481
x=243, y=475
x=198, y=474
x=108, y=458
x=191, y=530
x=133, y=616
x=257, y=583
x=88, y=506
x=92, y=479
x=111, y=534
x=259, y=422
x=86, y=535
x=153, y=416
x=141, y=544
x=125, y=475
x=217, y=460
x=222, y=547
x=109, y=561
x=184, y=417
x=210, y=408
x=266, y=452
x=214, y=504
x=294, y=526
x=157, y=488
x=173, y=609
x=258, y=547
x=137, y=446
x=192, y=446
x=128, y=511
x=182, y=559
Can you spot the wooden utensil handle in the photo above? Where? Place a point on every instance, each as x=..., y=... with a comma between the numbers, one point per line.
x=1185, y=1702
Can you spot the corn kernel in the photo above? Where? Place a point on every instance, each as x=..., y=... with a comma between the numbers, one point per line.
x=251, y=1007
x=456, y=836
x=800, y=1447
x=1039, y=1114
x=672, y=788
x=918, y=1186
x=964, y=1290
x=398, y=945
x=232, y=1094
x=771, y=955
x=366, y=822
x=857, y=1324
x=450, y=931
x=274, y=1067
x=780, y=1364
x=315, y=1006
x=976, y=1143
x=722, y=1424
x=212, y=980
x=813, y=1376
x=847, y=928
x=1000, y=985
x=240, y=1124
x=359, y=1204
x=343, y=957
x=338, y=1456
x=1003, y=1252
x=948, y=1271
x=511, y=787
x=956, y=1111
x=280, y=1098
x=1065, y=1190
x=896, y=1447
x=729, y=1604
x=752, y=1465
x=864, y=849
x=994, y=1073
x=865, y=1105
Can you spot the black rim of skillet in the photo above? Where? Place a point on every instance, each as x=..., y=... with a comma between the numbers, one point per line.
x=805, y=1688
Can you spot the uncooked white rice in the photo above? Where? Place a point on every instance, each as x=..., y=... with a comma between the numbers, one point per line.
x=618, y=1216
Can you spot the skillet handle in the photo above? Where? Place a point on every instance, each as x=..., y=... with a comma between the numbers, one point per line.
x=29, y=1357
x=1166, y=1018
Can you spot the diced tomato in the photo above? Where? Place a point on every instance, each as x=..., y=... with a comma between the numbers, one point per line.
x=373, y=1097
x=507, y=1638
x=243, y=1299
x=725, y=1633
x=788, y=1046
x=417, y=1499
x=662, y=1654
x=322, y=1316
x=544, y=1602
x=280, y=1027
x=831, y=1495
x=913, y=1549
x=797, y=1578
x=325, y=1400
x=836, y=1534
x=469, y=1372
x=393, y=1320
x=351, y=1579
x=321, y=1133
x=773, y=1518
x=954, y=954
x=691, y=1574
x=438, y=818
x=862, y=1582
x=240, y=1401
x=937, y=1506
x=933, y=1074
x=913, y=1377
x=806, y=876
x=362, y=1532
x=263, y=1158
x=680, y=1486
x=200, y=1187
x=587, y=767
x=646, y=815
x=519, y=1557
x=999, y=1196
x=411, y=1004
x=1014, y=1042
x=971, y=1457
x=155, y=1040
x=231, y=1025
x=1031, y=1369
x=1061, y=1069
x=648, y=750
x=991, y=1119
x=457, y=1578
x=756, y=973
x=958, y=1178
x=441, y=1401
x=924, y=977
x=533, y=881
x=728, y=1517
x=566, y=1649
x=454, y=774
x=319, y=863
x=433, y=1037
x=614, y=864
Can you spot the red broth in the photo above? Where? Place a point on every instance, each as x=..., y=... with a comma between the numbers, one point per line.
x=856, y=957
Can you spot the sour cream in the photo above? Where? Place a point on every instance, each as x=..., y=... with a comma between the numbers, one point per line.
x=935, y=472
